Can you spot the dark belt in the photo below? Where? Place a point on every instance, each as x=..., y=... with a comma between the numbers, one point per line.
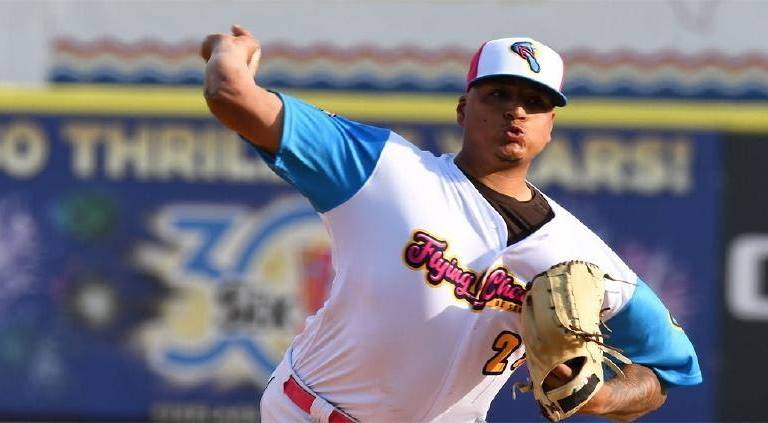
x=304, y=399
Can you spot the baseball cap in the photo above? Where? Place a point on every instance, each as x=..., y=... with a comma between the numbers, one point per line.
x=521, y=57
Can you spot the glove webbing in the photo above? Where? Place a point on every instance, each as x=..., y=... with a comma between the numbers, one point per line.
x=609, y=350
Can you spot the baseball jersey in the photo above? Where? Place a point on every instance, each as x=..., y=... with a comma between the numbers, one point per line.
x=422, y=319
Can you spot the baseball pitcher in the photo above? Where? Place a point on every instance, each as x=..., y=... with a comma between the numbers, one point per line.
x=451, y=271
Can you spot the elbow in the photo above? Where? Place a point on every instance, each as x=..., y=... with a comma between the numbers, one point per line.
x=212, y=93
x=219, y=103
x=225, y=84
x=224, y=98
x=219, y=90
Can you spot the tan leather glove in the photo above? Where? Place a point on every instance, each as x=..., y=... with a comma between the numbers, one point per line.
x=561, y=323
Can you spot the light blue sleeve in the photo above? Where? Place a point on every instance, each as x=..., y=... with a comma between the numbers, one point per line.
x=326, y=157
x=647, y=334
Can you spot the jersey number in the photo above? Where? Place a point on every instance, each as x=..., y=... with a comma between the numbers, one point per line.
x=505, y=344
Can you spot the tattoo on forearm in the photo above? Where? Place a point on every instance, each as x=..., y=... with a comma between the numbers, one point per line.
x=635, y=395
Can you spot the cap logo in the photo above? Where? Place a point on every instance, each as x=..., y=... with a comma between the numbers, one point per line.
x=525, y=50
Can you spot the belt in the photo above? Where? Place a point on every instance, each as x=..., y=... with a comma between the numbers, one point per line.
x=304, y=399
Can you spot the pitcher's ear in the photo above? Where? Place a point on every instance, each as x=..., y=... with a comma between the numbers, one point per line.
x=460, y=110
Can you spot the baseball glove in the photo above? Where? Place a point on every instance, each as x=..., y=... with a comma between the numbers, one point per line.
x=561, y=323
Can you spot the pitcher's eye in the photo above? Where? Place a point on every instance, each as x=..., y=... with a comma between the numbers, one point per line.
x=534, y=101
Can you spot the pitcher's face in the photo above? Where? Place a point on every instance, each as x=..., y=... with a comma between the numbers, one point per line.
x=506, y=119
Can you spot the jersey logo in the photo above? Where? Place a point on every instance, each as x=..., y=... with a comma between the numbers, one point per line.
x=674, y=322
x=428, y=252
x=333, y=115
x=497, y=288
x=525, y=50
x=501, y=290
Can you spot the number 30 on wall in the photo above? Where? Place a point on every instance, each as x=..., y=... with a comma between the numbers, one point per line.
x=505, y=344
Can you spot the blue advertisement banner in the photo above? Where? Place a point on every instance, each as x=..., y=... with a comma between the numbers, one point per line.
x=153, y=268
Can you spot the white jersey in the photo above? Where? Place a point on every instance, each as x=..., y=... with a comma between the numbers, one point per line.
x=422, y=320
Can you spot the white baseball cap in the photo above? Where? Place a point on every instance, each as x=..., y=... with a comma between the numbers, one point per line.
x=521, y=57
